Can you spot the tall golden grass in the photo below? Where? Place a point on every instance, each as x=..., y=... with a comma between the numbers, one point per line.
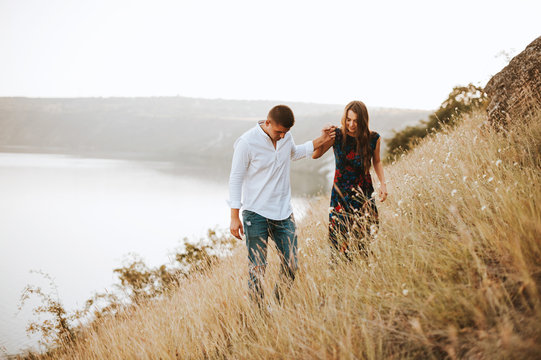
x=454, y=272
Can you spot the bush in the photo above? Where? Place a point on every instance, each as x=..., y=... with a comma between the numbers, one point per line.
x=462, y=100
x=138, y=283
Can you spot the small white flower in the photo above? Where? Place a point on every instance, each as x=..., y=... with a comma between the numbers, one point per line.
x=405, y=292
x=464, y=178
x=399, y=202
x=483, y=208
x=395, y=215
x=453, y=192
x=490, y=179
x=498, y=162
x=431, y=161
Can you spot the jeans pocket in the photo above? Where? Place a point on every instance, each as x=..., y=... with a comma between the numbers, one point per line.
x=248, y=217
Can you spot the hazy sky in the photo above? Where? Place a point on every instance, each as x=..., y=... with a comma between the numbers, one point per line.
x=406, y=54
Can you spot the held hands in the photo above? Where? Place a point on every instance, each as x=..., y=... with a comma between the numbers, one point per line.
x=383, y=192
x=328, y=132
x=325, y=141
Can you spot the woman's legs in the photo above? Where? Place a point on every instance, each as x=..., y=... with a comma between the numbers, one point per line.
x=352, y=231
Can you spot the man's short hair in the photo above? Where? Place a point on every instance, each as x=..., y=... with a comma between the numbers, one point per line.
x=282, y=115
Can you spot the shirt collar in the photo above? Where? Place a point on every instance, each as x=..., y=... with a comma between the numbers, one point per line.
x=261, y=131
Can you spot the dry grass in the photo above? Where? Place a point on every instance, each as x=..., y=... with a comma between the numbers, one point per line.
x=454, y=272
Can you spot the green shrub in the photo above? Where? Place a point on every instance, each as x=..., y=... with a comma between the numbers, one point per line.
x=462, y=100
x=138, y=283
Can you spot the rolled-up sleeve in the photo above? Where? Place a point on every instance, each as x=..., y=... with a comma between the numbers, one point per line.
x=239, y=165
x=301, y=151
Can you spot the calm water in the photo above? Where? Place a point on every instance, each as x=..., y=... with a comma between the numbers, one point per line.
x=77, y=219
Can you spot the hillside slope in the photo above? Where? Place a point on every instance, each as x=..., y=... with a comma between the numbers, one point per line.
x=454, y=272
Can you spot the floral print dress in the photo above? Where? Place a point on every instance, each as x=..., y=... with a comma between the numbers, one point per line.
x=353, y=209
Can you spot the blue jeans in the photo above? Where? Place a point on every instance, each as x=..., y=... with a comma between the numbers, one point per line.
x=257, y=230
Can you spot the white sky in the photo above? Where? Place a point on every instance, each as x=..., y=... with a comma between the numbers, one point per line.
x=406, y=54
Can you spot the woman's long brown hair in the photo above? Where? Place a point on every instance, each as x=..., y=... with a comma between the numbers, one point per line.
x=362, y=135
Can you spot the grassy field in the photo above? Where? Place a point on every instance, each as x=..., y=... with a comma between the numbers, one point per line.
x=454, y=272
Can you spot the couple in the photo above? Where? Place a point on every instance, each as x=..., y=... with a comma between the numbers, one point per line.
x=260, y=177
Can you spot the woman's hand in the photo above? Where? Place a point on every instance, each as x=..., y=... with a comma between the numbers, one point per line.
x=328, y=132
x=383, y=192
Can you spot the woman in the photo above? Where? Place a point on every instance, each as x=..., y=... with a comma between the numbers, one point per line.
x=353, y=209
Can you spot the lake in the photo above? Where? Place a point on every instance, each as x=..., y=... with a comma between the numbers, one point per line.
x=76, y=219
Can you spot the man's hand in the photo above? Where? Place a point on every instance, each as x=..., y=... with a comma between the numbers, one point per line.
x=328, y=128
x=236, y=228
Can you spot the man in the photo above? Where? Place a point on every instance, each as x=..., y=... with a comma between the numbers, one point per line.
x=260, y=176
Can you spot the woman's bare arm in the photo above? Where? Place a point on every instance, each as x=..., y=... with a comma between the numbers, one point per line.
x=322, y=149
x=378, y=168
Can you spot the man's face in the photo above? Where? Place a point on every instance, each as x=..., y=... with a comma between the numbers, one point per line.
x=275, y=131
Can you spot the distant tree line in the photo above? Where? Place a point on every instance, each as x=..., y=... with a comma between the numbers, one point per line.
x=462, y=100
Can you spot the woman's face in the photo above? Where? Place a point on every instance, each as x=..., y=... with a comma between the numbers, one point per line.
x=351, y=122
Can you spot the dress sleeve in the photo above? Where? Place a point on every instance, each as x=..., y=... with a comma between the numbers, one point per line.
x=374, y=142
x=338, y=138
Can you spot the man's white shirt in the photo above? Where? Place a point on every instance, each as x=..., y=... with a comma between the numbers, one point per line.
x=259, y=179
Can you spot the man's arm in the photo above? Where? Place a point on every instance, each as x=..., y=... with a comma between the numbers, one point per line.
x=306, y=149
x=239, y=165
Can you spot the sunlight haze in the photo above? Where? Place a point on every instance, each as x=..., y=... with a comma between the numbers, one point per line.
x=387, y=53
